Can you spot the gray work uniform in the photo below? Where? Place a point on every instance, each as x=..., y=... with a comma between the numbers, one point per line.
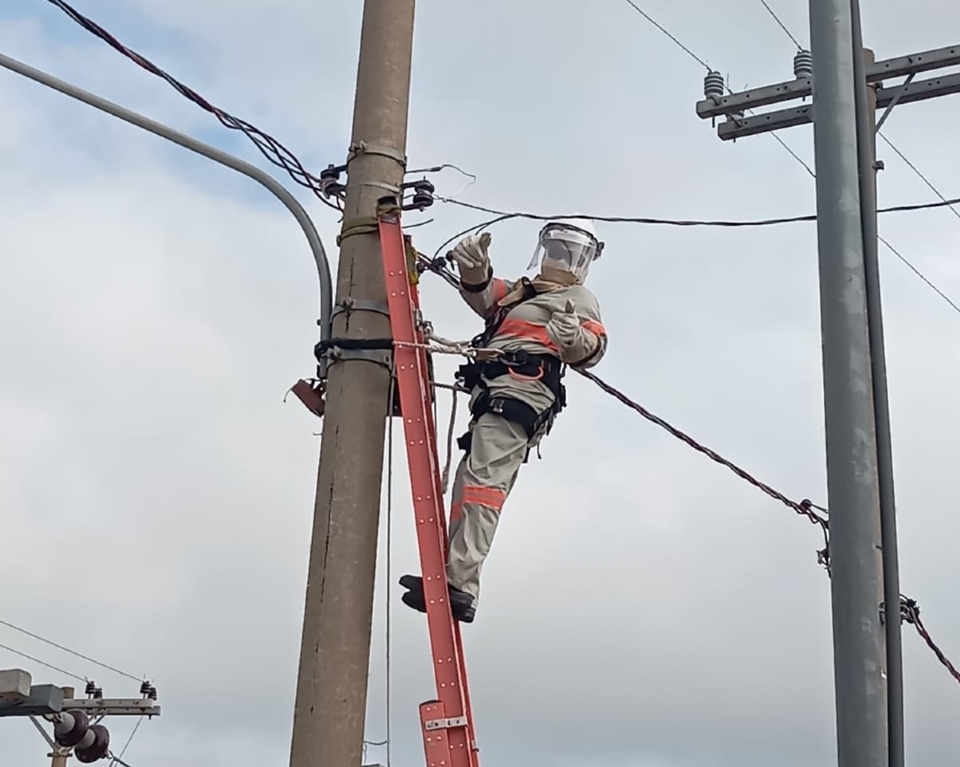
x=498, y=447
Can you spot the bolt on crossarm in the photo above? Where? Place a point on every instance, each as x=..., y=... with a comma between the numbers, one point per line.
x=211, y=153
x=869, y=95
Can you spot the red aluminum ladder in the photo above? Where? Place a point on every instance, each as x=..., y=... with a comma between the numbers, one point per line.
x=449, y=738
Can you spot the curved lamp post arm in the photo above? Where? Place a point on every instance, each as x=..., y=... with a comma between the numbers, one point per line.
x=212, y=153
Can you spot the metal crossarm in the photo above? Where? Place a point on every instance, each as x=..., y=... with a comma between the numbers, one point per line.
x=447, y=721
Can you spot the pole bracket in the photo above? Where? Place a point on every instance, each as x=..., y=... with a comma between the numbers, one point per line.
x=376, y=350
x=362, y=147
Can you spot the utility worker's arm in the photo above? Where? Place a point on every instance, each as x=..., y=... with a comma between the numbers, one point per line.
x=478, y=287
x=578, y=332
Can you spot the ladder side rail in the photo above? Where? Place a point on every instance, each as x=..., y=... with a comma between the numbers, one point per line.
x=437, y=609
x=467, y=704
x=413, y=388
x=438, y=490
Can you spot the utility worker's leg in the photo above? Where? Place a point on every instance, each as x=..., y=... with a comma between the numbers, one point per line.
x=484, y=480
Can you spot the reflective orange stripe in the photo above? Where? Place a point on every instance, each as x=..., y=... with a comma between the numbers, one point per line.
x=595, y=327
x=490, y=497
x=528, y=330
x=498, y=289
x=456, y=512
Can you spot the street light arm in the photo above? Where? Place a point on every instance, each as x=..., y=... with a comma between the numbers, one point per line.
x=212, y=153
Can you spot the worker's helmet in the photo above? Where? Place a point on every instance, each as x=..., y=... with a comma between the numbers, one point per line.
x=568, y=244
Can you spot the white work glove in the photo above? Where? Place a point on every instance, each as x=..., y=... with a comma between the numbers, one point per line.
x=470, y=255
x=564, y=327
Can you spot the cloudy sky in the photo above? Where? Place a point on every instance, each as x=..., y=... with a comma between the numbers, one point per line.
x=643, y=607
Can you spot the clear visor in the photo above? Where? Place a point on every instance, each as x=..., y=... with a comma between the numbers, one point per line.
x=565, y=248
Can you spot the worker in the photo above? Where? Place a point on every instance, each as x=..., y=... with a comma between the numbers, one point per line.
x=536, y=327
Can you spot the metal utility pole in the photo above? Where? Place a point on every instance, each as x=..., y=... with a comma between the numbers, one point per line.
x=852, y=475
x=866, y=106
x=835, y=27
x=334, y=657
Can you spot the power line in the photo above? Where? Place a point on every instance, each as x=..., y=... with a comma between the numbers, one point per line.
x=920, y=173
x=702, y=62
x=663, y=29
x=744, y=223
x=780, y=23
x=910, y=611
x=68, y=650
x=43, y=663
x=804, y=508
x=920, y=274
x=269, y=147
x=770, y=222
x=943, y=199
x=119, y=759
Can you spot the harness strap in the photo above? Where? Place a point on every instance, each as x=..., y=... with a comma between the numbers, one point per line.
x=546, y=368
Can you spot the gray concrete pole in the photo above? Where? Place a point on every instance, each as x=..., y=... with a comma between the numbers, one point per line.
x=861, y=706
x=330, y=707
x=211, y=153
x=867, y=147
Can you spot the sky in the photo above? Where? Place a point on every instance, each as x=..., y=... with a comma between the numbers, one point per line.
x=642, y=607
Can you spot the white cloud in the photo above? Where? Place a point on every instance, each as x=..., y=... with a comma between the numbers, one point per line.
x=642, y=605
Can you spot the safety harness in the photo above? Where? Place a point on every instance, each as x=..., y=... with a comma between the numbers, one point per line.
x=546, y=368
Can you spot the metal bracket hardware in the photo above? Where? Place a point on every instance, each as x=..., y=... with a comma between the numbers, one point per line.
x=443, y=724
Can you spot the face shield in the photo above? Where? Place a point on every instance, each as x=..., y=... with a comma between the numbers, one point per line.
x=568, y=247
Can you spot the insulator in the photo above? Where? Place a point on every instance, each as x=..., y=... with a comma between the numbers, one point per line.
x=422, y=200
x=98, y=693
x=90, y=689
x=803, y=64
x=331, y=173
x=71, y=728
x=424, y=185
x=714, y=86
x=95, y=746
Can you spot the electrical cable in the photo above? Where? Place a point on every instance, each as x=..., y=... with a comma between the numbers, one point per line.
x=780, y=23
x=663, y=29
x=944, y=202
x=44, y=663
x=117, y=759
x=275, y=152
x=915, y=169
x=744, y=223
x=910, y=611
x=68, y=650
x=706, y=66
x=804, y=508
x=269, y=147
x=920, y=173
x=921, y=275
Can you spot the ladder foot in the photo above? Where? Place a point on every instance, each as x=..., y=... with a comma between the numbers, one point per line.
x=461, y=603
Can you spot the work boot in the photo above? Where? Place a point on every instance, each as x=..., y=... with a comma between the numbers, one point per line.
x=461, y=603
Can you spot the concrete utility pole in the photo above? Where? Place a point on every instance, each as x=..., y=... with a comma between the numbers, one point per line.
x=334, y=657
x=860, y=473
